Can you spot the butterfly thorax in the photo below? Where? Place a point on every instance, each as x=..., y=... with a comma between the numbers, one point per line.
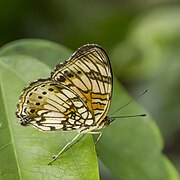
x=105, y=122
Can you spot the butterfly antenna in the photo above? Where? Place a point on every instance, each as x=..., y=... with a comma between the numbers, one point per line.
x=128, y=116
x=129, y=103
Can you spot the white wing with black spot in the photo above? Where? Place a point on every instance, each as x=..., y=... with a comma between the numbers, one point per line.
x=49, y=106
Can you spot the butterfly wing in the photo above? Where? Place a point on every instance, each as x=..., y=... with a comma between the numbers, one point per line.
x=88, y=73
x=49, y=106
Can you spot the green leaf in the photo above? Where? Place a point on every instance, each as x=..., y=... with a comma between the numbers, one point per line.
x=48, y=52
x=131, y=148
x=25, y=151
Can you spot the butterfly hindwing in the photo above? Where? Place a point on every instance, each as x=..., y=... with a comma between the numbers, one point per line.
x=48, y=106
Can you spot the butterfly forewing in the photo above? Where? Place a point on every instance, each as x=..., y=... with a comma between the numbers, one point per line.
x=88, y=73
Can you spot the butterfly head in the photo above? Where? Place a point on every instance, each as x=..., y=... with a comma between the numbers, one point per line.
x=107, y=121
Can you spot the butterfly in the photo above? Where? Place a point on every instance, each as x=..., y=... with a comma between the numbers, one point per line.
x=77, y=96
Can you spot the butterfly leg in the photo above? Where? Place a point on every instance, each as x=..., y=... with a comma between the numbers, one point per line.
x=70, y=143
x=96, y=133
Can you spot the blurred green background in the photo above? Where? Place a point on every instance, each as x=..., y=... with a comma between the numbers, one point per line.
x=142, y=39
